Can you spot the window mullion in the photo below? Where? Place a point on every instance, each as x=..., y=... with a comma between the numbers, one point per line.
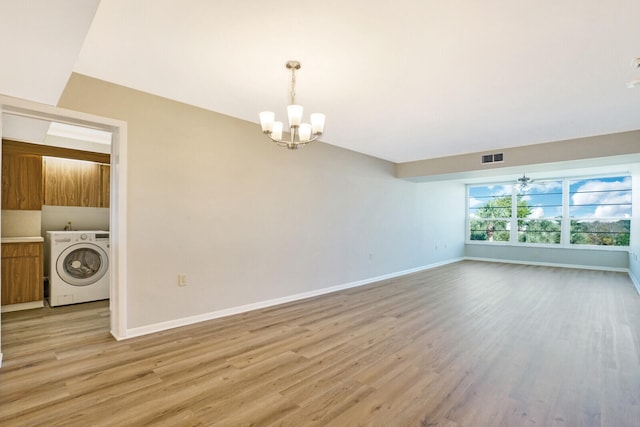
x=565, y=236
x=513, y=235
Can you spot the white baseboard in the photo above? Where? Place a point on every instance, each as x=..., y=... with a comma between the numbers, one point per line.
x=635, y=281
x=21, y=306
x=549, y=264
x=163, y=326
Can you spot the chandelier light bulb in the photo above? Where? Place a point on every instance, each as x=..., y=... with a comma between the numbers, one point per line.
x=317, y=123
x=304, y=132
x=277, y=130
x=266, y=121
x=295, y=115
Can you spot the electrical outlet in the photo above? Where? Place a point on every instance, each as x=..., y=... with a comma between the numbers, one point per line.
x=182, y=280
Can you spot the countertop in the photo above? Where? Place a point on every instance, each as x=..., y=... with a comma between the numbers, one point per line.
x=28, y=239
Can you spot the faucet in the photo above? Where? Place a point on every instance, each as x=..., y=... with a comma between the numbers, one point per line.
x=68, y=226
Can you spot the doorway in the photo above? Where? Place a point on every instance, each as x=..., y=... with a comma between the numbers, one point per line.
x=117, y=214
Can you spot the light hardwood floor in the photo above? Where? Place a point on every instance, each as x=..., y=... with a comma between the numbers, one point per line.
x=467, y=344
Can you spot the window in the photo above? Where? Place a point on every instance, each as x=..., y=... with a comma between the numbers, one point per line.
x=540, y=213
x=490, y=212
x=600, y=211
x=592, y=211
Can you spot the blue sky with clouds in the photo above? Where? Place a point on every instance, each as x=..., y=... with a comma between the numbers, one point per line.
x=601, y=198
x=595, y=198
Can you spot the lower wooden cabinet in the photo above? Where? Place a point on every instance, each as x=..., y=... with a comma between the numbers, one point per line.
x=21, y=273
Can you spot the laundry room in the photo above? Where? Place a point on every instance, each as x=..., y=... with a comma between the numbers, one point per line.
x=55, y=213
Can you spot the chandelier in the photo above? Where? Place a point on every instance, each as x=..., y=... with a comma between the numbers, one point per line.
x=300, y=134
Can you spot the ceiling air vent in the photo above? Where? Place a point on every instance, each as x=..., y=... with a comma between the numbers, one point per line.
x=492, y=158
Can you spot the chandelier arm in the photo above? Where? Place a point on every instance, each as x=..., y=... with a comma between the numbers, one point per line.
x=283, y=143
x=277, y=141
x=303, y=143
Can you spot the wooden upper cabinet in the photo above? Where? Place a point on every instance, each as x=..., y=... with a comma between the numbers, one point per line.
x=74, y=183
x=34, y=174
x=21, y=181
x=106, y=185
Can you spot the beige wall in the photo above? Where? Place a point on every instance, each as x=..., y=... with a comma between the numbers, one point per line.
x=623, y=145
x=247, y=221
x=19, y=223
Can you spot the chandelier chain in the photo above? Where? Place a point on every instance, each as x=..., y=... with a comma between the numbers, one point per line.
x=293, y=85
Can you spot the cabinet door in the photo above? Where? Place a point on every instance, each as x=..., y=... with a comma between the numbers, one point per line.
x=72, y=183
x=21, y=273
x=21, y=181
x=105, y=185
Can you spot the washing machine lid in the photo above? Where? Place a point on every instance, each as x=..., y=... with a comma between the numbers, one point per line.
x=82, y=264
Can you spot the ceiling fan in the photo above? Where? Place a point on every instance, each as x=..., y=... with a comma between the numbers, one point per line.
x=524, y=183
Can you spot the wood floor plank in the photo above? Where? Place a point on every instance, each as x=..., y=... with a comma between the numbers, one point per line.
x=466, y=344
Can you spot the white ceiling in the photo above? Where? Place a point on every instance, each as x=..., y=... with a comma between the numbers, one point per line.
x=402, y=80
x=40, y=41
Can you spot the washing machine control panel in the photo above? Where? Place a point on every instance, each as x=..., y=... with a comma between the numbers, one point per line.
x=81, y=237
x=102, y=237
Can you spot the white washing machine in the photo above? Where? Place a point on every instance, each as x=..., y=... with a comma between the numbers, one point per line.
x=78, y=266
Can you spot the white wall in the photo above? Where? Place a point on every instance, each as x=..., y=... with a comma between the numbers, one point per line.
x=443, y=219
x=246, y=221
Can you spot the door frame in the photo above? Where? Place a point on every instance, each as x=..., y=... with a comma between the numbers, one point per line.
x=118, y=194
